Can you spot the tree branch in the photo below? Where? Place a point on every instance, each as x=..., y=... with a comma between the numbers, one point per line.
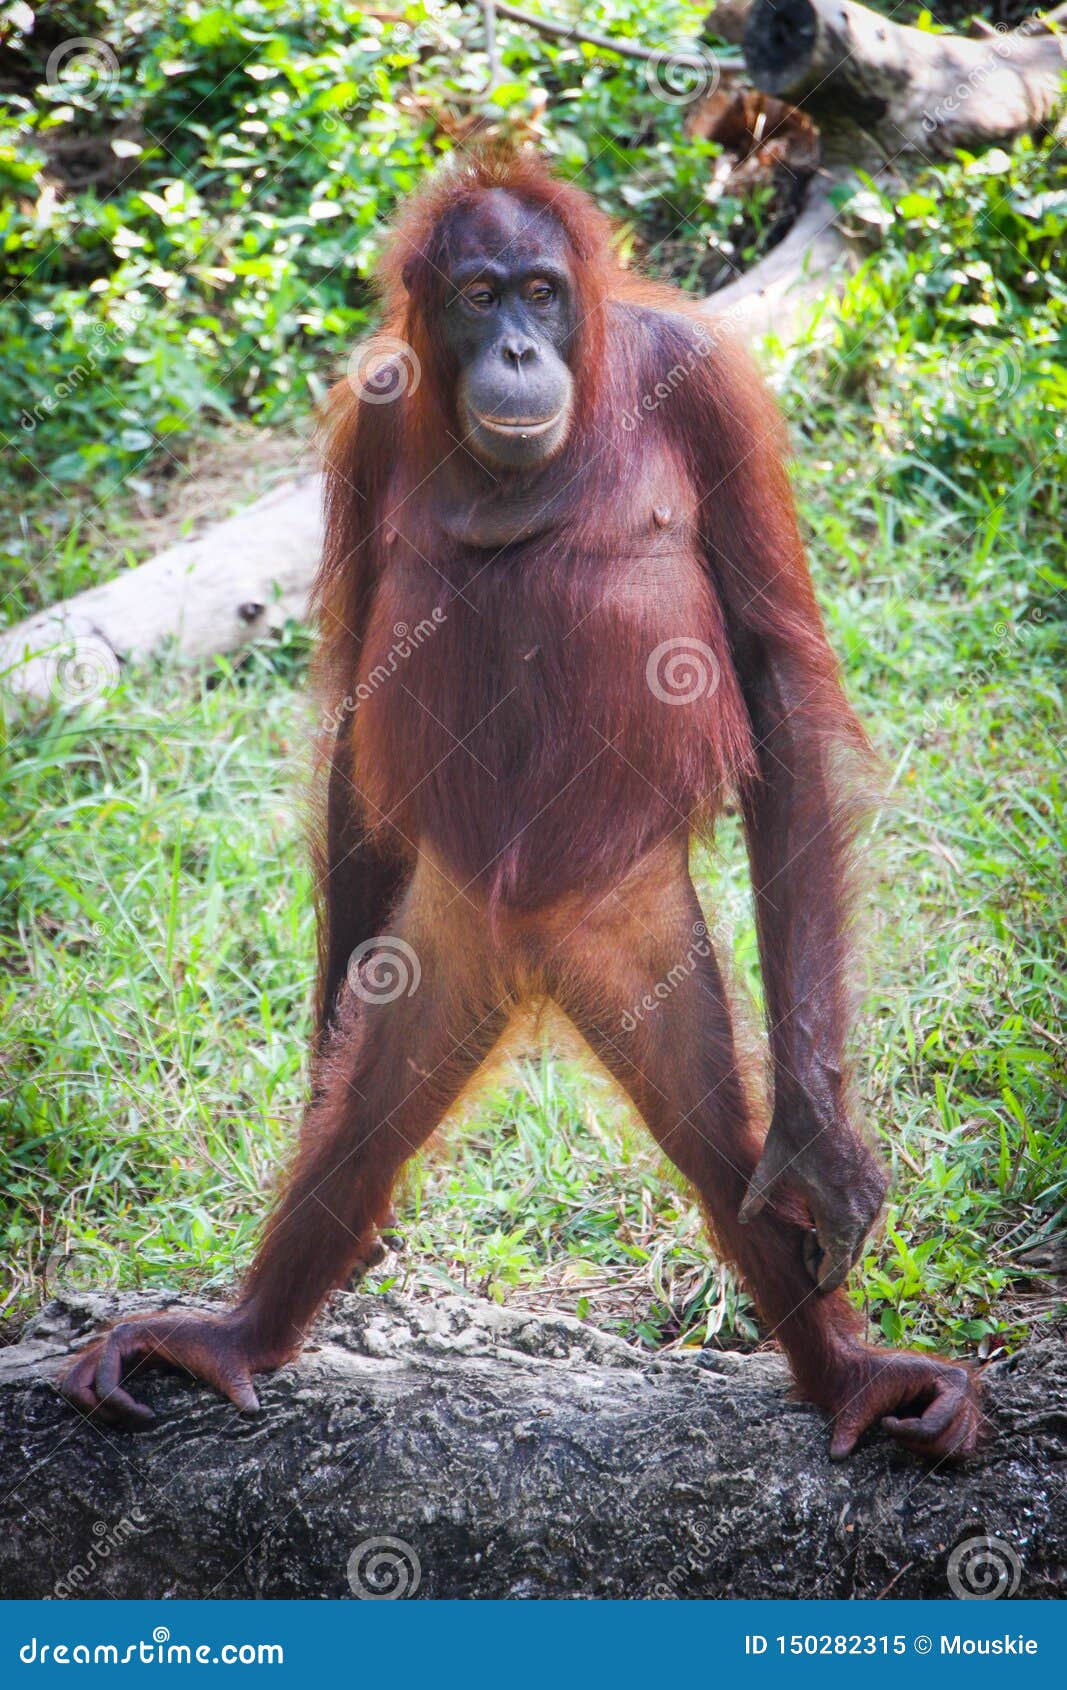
x=609, y=43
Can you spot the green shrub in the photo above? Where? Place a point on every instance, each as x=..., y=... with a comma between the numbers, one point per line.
x=191, y=208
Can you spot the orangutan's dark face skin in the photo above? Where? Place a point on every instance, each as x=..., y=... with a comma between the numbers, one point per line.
x=509, y=325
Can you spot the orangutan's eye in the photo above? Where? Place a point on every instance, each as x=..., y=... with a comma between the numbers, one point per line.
x=479, y=296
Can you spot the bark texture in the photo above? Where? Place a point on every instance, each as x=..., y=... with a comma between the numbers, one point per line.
x=503, y=1455
x=881, y=89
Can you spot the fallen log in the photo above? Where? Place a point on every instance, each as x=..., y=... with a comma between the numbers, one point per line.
x=237, y=581
x=784, y=292
x=880, y=90
x=457, y=1449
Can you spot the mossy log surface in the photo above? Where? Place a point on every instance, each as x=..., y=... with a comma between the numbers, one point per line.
x=504, y=1455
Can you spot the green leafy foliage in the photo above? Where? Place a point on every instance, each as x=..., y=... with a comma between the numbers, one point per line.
x=191, y=207
x=965, y=307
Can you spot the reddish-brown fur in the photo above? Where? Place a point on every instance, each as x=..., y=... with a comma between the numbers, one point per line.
x=514, y=803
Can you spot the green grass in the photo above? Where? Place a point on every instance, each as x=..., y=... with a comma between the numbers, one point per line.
x=155, y=919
